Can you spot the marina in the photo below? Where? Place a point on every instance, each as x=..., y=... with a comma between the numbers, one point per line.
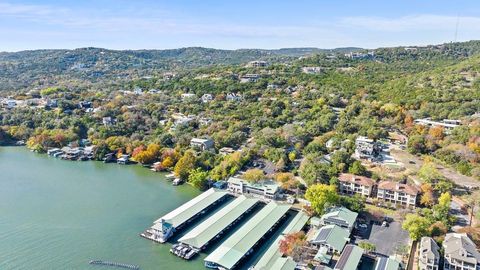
x=164, y=227
x=239, y=245
x=272, y=259
x=213, y=227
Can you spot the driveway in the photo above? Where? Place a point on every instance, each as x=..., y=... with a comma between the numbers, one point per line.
x=462, y=218
x=385, y=239
x=414, y=163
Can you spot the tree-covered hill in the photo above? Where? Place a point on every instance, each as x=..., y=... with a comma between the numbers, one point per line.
x=46, y=67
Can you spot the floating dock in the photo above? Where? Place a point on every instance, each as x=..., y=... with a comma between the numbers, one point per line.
x=164, y=227
x=244, y=240
x=115, y=264
x=214, y=226
x=272, y=259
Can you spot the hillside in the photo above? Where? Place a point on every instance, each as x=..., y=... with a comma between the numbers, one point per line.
x=47, y=67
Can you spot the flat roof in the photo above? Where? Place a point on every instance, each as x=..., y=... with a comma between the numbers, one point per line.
x=236, y=246
x=208, y=229
x=270, y=258
x=189, y=209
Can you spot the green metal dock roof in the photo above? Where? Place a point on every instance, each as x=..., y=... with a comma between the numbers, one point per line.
x=207, y=230
x=272, y=257
x=350, y=258
x=191, y=208
x=238, y=245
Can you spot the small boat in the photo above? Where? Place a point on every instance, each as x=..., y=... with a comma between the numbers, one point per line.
x=177, y=182
x=170, y=176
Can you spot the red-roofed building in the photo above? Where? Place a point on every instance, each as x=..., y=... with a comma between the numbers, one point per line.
x=350, y=184
x=397, y=193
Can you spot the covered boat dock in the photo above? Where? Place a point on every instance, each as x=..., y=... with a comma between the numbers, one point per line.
x=243, y=241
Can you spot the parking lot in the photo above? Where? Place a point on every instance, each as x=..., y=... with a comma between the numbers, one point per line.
x=385, y=239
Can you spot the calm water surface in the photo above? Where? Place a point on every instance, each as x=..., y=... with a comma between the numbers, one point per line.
x=57, y=214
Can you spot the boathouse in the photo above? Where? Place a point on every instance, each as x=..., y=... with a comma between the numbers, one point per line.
x=214, y=226
x=164, y=227
x=243, y=241
x=272, y=259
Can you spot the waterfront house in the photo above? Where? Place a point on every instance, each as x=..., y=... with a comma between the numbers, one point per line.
x=124, y=159
x=397, y=193
x=460, y=253
x=267, y=189
x=350, y=184
x=339, y=216
x=429, y=254
x=201, y=144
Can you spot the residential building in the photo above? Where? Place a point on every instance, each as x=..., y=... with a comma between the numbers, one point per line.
x=366, y=148
x=340, y=216
x=460, y=253
x=398, y=193
x=267, y=189
x=249, y=78
x=312, y=70
x=386, y=263
x=350, y=184
x=201, y=144
x=108, y=121
x=333, y=237
x=350, y=258
x=429, y=254
x=226, y=151
x=233, y=97
x=207, y=98
x=256, y=64
x=188, y=96
x=447, y=124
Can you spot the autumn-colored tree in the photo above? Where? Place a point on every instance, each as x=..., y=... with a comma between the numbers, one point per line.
x=437, y=132
x=185, y=165
x=254, y=175
x=286, y=180
x=291, y=242
x=427, y=198
x=322, y=196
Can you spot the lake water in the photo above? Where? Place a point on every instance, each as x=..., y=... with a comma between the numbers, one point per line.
x=57, y=214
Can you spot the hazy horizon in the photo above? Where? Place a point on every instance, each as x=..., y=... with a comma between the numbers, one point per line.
x=147, y=24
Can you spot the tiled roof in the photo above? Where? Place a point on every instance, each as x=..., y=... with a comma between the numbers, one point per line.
x=361, y=180
x=395, y=186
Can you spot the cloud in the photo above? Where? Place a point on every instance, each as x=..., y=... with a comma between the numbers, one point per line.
x=412, y=23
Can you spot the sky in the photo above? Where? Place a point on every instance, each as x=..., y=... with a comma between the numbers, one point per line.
x=267, y=24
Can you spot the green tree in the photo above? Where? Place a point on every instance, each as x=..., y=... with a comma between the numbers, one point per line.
x=417, y=226
x=322, y=196
x=198, y=178
x=357, y=168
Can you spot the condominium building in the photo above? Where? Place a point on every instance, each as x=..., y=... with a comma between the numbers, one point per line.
x=429, y=257
x=397, y=193
x=350, y=184
x=460, y=253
